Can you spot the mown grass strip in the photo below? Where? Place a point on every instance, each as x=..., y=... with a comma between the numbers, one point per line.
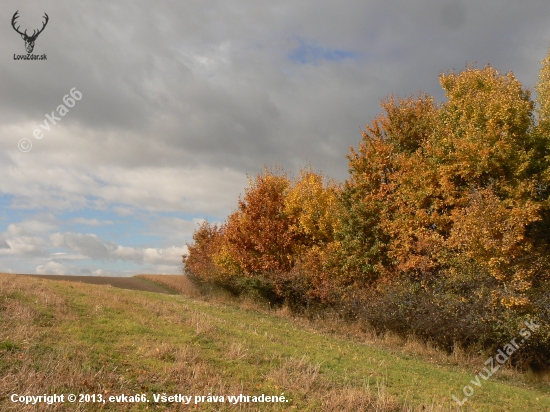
x=115, y=341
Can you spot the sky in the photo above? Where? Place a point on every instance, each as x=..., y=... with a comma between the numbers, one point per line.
x=178, y=102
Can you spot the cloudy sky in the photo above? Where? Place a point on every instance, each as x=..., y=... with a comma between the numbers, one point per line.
x=181, y=100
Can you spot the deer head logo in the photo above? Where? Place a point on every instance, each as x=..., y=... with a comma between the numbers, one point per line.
x=29, y=40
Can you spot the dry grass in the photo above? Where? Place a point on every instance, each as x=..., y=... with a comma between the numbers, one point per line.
x=327, y=323
x=29, y=311
x=321, y=394
x=34, y=362
x=58, y=337
x=237, y=351
x=177, y=283
x=331, y=323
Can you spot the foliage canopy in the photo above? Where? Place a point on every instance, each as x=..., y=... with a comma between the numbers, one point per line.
x=446, y=203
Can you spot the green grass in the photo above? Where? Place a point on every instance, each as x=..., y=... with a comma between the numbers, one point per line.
x=77, y=338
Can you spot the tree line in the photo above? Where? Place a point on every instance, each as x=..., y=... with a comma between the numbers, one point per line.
x=442, y=229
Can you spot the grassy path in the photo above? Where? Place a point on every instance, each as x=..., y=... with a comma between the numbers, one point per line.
x=60, y=337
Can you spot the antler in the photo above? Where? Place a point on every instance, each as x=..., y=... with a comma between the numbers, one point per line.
x=43, y=26
x=34, y=33
x=15, y=16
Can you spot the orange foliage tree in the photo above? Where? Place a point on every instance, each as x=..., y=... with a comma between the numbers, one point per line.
x=257, y=234
x=199, y=259
x=419, y=164
x=446, y=209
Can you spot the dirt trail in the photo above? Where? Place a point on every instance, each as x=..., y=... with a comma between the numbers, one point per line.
x=118, y=282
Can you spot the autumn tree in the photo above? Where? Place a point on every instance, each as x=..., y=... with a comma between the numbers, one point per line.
x=543, y=91
x=198, y=261
x=419, y=162
x=312, y=202
x=258, y=235
x=385, y=203
x=446, y=211
x=494, y=153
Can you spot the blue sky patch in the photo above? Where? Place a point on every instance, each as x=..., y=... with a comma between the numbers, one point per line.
x=311, y=52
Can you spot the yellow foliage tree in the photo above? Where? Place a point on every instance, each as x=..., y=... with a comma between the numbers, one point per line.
x=312, y=204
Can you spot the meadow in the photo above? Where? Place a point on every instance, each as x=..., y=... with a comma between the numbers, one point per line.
x=65, y=337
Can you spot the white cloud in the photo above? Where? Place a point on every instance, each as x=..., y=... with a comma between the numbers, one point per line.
x=66, y=252
x=92, y=222
x=182, y=99
x=89, y=245
x=70, y=187
x=52, y=268
x=21, y=242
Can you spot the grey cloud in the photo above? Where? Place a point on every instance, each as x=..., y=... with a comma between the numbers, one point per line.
x=453, y=15
x=182, y=99
x=85, y=244
x=90, y=246
x=165, y=83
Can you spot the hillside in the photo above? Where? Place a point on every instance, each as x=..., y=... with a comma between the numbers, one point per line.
x=74, y=338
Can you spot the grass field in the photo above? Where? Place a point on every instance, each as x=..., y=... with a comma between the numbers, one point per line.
x=63, y=337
